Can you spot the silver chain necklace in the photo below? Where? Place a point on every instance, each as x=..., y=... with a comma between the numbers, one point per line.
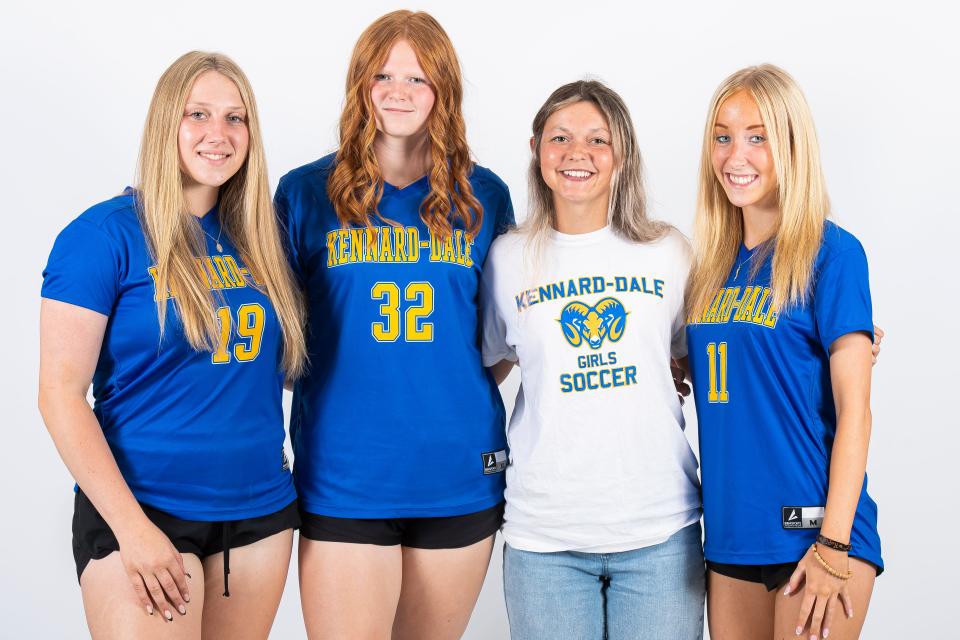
x=215, y=240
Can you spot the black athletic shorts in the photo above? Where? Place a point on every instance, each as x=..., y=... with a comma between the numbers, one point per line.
x=93, y=539
x=772, y=576
x=452, y=532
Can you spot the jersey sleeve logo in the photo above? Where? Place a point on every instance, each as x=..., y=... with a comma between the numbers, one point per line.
x=581, y=323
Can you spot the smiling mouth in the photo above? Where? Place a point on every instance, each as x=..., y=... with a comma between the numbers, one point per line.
x=395, y=110
x=741, y=180
x=577, y=175
x=213, y=157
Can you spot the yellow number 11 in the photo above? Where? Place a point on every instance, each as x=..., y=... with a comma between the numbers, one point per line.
x=713, y=350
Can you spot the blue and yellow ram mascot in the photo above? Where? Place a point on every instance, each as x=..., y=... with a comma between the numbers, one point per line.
x=581, y=323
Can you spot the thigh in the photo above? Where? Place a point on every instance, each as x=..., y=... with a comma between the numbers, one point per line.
x=440, y=589
x=258, y=573
x=349, y=590
x=553, y=595
x=739, y=609
x=114, y=611
x=658, y=589
x=860, y=587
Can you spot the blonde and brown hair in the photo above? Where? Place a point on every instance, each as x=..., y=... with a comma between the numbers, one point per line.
x=174, y=236
x=356, y=184
x=627, y=212
x=801, y=193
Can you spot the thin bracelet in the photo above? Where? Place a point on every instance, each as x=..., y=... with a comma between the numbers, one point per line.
x=828, y=568
x=833, y=544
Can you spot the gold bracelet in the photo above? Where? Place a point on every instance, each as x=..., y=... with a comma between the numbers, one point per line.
x=827, y=567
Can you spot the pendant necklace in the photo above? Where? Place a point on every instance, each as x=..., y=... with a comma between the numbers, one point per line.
x=216, y=240
x=736, y=274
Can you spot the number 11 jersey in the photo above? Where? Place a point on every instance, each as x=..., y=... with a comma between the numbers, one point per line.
x=396, y=417
x=765, y=409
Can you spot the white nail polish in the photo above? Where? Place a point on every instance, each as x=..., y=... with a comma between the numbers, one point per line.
x=799, y=630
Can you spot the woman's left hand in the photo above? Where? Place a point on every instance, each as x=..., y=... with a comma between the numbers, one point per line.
x=822, y=591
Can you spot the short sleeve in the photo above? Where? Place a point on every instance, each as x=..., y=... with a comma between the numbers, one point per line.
x=678, y=342
x=494, y=347
x=83, y=268
x=841, y=296
x=281, y=205
x=505, y=218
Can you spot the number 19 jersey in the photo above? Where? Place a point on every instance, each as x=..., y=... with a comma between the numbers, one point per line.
x=397, y=417
x=767, y=420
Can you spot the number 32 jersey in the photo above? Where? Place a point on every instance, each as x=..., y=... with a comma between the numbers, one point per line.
x=765, y=408
x=397, y=417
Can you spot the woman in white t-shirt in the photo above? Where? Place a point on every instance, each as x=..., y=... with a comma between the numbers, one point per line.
x=603, y=505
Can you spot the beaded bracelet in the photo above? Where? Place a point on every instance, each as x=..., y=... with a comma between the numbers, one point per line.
x=833, y=544
x=828, y=568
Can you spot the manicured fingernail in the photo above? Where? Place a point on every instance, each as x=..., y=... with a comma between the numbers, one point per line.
x=826, y=632
x=149, y=609
x=786, y=591
x=799, y=630
x=186, y=597
x=182, y=609
x=812, y=637
x=168, y=615
x=850, y=613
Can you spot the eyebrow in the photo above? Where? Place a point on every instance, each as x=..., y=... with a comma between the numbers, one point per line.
x=720, y=125
x=594, y=130
x=207, y=104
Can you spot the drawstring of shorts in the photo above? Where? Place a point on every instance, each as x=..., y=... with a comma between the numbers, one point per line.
x=226, y=558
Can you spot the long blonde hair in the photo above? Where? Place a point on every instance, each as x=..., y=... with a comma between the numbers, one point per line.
x=627, y=211
x=174, y=236
x=356, y=184
x=801, y=192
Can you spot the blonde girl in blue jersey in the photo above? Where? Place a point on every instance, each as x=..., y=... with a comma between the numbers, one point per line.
x=181, y=457
x=781, y=375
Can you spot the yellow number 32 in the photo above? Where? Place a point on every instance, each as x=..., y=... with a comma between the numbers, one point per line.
x=421, y=294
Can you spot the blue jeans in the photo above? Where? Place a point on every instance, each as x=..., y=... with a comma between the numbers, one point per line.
x=645, y=594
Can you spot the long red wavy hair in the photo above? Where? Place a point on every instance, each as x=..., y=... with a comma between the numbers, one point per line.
x=356, y=184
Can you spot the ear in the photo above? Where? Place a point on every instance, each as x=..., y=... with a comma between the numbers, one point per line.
x=533, y=144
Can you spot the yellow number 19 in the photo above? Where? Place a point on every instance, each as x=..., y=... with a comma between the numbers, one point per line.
x=713, y=350
x=249, y=327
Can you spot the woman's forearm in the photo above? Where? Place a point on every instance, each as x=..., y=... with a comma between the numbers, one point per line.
x=83, y=448
x=850, y=368
x=848, y=465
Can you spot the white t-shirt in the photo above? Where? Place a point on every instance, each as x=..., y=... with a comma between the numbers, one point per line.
x=598, y=458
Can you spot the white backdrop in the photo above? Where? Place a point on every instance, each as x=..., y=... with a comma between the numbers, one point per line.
x=882, y=81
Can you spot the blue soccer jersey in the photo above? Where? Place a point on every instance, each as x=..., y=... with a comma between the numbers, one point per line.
x=196, y=434
x=765, y=407
x=397, y=416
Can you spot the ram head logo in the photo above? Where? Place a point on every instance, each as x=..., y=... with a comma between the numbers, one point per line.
x=580, y=323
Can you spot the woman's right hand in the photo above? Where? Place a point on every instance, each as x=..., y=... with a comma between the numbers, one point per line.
x=155, y=568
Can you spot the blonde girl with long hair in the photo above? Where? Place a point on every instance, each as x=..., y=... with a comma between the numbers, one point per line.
x=779, y=338
x=397, y=429
x=176, y=299
x=602, y=522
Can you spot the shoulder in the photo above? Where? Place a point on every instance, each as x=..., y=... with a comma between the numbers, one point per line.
x=485, y=181
x=507, y=247
x=114, y=218
x=312, y=174
x=838, y=243
x=672, y=244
